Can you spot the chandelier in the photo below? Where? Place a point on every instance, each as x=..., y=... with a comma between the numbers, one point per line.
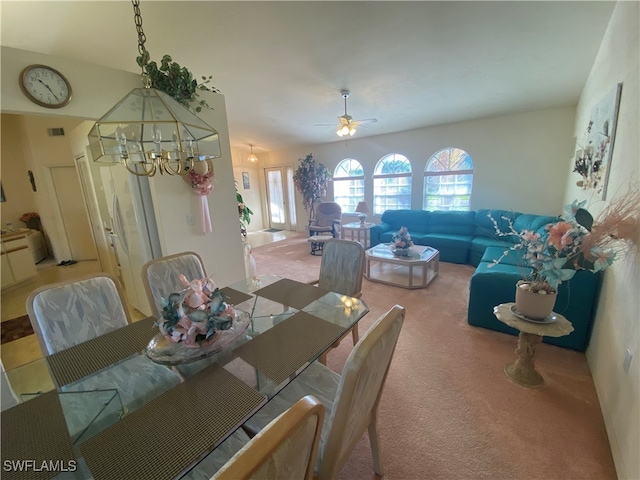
x=149, y=132
x=252, y=158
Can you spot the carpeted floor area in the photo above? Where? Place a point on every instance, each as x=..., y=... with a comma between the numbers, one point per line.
x=448, y=411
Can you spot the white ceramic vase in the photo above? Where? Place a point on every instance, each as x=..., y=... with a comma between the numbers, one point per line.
x=534, y=305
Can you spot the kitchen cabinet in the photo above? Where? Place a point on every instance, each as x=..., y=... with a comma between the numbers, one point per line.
x=17, y=260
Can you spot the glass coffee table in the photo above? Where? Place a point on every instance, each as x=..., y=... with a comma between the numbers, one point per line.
x=416, y=270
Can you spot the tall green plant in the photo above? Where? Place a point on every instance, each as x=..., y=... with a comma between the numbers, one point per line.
x=311, y=179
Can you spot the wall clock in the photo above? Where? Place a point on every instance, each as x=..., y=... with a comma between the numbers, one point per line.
x=45, y=86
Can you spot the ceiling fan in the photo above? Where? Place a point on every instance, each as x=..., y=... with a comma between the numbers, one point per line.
x=347, y=125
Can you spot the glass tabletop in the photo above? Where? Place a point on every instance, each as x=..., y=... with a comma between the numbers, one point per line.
x=417, y=253
x=272, y=320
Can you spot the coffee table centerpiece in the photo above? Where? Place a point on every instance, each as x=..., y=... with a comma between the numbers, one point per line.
x=402, y=242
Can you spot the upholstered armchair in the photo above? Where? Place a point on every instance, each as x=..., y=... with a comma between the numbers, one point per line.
x=327, y=220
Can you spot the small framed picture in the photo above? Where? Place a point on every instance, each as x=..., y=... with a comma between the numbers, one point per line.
x=245, y=180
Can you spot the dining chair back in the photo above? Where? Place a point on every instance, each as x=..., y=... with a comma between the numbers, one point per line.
x=355, y=408
x=285, y=449
x=342, y=267
x=351, y=399
x=160, y=276
x=66, y=313
x=341, y=271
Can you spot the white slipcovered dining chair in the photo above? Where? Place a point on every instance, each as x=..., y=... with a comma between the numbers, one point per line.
x=285, y=449
x=341, y=271
x=67, y=313
x=160, y=276
x=351, y=399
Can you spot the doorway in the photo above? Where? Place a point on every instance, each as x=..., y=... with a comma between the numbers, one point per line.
x=280, y=198
x=73, y=211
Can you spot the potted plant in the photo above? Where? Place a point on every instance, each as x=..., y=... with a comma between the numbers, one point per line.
x=244, y=213
x=576, y=243
x=311, y=179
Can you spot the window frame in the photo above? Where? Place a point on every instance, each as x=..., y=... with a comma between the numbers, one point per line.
x=348, y=179
x=444, y=173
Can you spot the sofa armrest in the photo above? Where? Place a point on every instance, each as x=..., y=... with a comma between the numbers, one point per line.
x=376, y=231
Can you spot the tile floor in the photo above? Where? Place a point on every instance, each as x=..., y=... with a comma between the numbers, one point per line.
x=13, y=301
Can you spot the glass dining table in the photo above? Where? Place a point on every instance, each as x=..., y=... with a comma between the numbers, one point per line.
x=51, y=430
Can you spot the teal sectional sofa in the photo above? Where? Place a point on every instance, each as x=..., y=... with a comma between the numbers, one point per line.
x=471, y=238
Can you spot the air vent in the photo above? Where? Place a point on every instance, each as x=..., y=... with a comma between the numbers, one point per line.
x=56, y=132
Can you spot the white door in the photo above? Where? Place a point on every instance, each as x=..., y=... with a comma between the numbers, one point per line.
x=74, y=213
x=276, y=198
x=132, y=246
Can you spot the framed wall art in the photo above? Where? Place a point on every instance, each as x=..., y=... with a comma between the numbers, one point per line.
x=245, y=180
x=593, y=157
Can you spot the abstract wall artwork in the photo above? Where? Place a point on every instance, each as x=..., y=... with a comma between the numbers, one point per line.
x=593, y=158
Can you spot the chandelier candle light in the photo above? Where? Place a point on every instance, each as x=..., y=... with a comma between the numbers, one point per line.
x=148, y=131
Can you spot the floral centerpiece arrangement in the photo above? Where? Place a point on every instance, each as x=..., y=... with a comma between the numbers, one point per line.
x=196, y=315
x=402, y=241
x=578, y=242
x=311, y=179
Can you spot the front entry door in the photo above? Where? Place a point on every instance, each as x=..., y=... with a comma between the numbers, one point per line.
x=276, y=198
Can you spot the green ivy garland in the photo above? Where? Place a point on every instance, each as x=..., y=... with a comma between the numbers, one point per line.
x=176, y=81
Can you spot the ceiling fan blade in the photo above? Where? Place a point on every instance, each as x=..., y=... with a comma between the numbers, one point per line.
x=367, y=120
x=325, y=125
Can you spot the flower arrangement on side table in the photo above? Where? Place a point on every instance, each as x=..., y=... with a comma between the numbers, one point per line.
x=577, y=243
x=196, y=315
x=401, y=242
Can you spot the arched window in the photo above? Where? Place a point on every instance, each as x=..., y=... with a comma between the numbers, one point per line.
x=392, y=184
x=448, y=177
x=348, y=185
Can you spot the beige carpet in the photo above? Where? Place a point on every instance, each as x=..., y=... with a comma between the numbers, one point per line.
x=448, y=411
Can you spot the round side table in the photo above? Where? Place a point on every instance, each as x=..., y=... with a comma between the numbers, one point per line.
x=523, y=371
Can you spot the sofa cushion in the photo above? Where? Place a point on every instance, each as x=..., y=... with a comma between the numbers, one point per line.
x=480, y=244
x=445, y=240
x=414, y=220
x=512, y=257
x=534, y=223
x=457, y=223
x=484, y=227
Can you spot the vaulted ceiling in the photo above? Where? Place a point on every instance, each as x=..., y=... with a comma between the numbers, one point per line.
x=281, y=65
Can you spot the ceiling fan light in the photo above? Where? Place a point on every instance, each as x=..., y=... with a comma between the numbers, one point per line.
x=352, y=131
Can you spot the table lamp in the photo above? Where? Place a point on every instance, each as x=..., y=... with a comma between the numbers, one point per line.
x=362, y=209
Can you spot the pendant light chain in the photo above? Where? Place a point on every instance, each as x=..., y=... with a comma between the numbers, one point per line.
x=137, y=17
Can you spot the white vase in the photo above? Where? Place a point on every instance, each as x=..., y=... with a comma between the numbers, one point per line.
x=534, y=305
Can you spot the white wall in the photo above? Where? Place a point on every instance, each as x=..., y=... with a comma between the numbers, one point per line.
x=617, y=323
x=95, y=90
x=513, y=156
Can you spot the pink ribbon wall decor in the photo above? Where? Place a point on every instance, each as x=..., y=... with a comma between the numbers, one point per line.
x=202, y=186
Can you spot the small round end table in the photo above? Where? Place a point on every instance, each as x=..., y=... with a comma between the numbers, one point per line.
x=523, y=371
